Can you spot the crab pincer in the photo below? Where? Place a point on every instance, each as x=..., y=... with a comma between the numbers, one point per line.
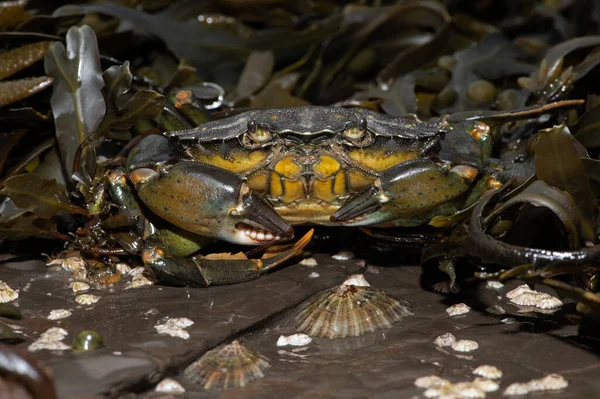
x=407, y=193
x=210, y=201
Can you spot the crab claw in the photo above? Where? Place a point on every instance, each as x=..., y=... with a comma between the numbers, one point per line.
x=407, y=194
x=210, y=201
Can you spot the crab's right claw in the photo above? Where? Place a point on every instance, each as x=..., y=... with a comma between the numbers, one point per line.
x=210, y=201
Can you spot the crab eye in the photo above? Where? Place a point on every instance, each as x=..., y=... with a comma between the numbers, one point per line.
x=258, y=133
x=252, y=126
x=354, y=131
x=362, y=125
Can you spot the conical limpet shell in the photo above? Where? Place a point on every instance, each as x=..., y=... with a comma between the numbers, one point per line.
x=350, y=311
x=231, y=365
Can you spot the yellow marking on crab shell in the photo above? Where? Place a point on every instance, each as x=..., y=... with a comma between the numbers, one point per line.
x=323, y=190
x=339, y=184
x=358, y=180
x=275, y=186
x=288, y=168
x=274, y=117
x=326, y=167
x=293, y=190
x=378, y=160
x=239, y=162
x=259, y=182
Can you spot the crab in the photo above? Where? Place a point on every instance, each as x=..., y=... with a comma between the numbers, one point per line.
x=248, y=179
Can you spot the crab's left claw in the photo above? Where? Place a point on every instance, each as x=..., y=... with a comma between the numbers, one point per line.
x=407, y=193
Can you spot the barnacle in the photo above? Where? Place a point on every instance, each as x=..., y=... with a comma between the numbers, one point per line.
x=349, y=310
x=231, y=365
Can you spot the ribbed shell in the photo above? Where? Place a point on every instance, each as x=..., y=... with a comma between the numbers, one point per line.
x=231, y=365
x=350, y=311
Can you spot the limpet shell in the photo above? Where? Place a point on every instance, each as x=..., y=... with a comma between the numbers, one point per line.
x=350, y=311
x=231, y=365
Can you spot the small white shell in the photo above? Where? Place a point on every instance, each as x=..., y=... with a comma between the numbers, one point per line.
x=294, y=340
x=123, y=268
x=357, y=280
x=78, y=286
x=445, y=340
x=517, y=388
x=139, y=280
x=169, y=385
x=50, y=340
x=7, y=294
x=485, y=384
x=551, y=382
x=309, y=262
x=57, y=314
x=467, y=390
x=343, y=255
x=437, y=392
x=73, y=264
x=314, y=275
x=87, y=299
x=465, y=345
x=458, y=309
x=487, y=371
x=48, y=345
x=54, y=334
x=495, y=285
x=431, y=381
x=175, y=327
x=518, y=291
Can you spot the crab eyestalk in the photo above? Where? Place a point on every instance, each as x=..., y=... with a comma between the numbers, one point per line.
x=210, y=201
x=406, y=191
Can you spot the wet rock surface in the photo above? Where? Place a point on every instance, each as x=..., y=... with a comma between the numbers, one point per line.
x=378, y=365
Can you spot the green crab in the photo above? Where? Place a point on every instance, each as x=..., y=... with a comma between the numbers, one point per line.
x=249, y=178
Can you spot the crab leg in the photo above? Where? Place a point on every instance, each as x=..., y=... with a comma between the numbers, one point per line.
x=218, y=269
x=404, y=191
